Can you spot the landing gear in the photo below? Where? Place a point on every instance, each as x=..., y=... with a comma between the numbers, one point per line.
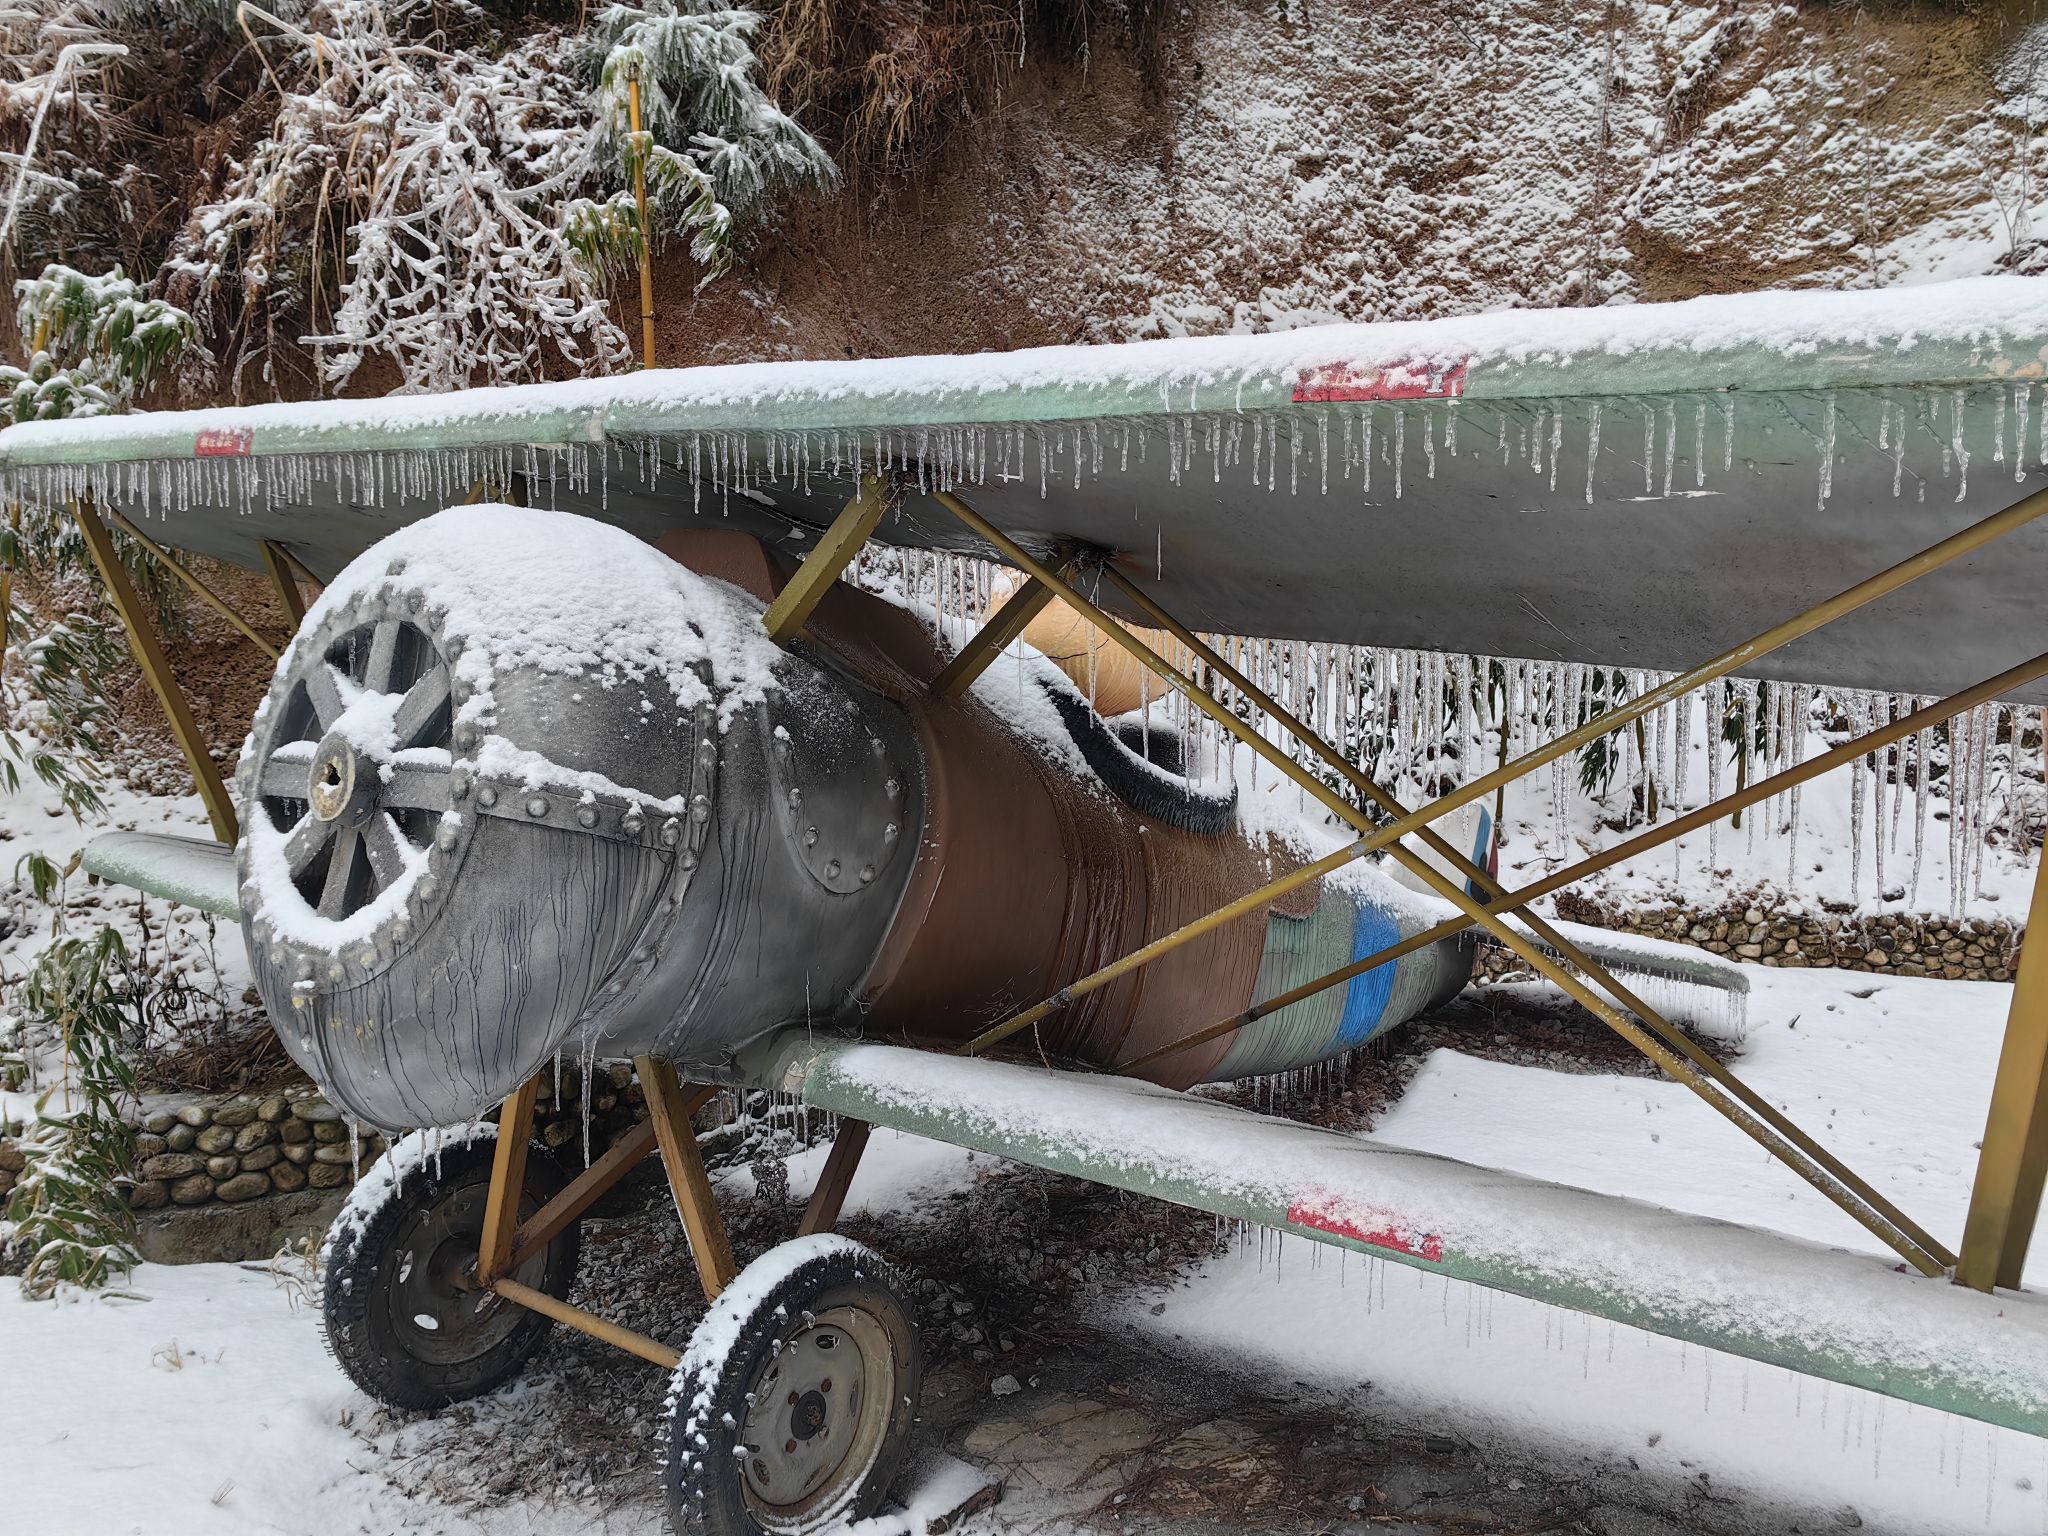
x=405, y=1315
x=791, y=1412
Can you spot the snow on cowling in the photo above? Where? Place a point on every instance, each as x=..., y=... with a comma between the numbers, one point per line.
x=521, y=589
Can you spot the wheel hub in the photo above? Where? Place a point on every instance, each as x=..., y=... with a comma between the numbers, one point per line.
x=820, y=1408
x=342, y=785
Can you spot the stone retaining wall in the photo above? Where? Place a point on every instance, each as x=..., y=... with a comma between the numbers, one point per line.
x=1747, y=928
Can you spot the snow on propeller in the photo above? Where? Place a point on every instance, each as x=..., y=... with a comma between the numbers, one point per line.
x=526, y=785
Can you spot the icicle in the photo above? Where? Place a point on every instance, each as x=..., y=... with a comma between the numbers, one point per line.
x=1717, y=713
x=1593, y=448
x=1921, y=741
x=1827, y=453
x=1859, y=723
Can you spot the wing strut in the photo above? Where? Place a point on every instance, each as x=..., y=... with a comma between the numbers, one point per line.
x=1648, y=1030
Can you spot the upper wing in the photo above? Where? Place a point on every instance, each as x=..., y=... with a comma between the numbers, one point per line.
x=1635, y=486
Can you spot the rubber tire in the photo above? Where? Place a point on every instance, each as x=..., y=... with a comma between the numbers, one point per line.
x=703, y=1481
x=359, y=1333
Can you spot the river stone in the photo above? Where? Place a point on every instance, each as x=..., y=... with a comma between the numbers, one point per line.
x=327, y=1175
x=338, y=1153
x=195, y=1190
x=216, y=1138
x=295, y=1130
x=171, y=1165
x=257, y=1133
x=243, y=1186
x=300, y=1153
x=259, y=1158
x=148, y=1195
x=180, y=1137
x=194, y=1115
x=237, y=1114
x=329, y=1131
x=223, y=1166
x=157, y=1121
x=285, y=1178
x=148, y=1146
x=319, y=1111
x=274, y=1109
x=12, y=1158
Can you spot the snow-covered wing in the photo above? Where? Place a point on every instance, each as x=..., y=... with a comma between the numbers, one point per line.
x=1637, y=486
x=1827, y=1312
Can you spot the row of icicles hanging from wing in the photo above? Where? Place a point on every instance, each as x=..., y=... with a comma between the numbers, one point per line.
x=1926, y=824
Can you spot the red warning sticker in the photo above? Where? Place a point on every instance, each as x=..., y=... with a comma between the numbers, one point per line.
x=1415, y=380
x=222, y=443
x=1427, y=1246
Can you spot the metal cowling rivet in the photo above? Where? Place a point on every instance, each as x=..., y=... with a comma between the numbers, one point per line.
x=892, y=789
x=796, y=798
x=670, y=831
x=586, y=816
x=889, y=833
x=700, y=809
x=867, y=874
x=831, y=869
x=537, y=806
x=810, y=837
x=446, y=838
x=633, y=822
x=487, y=796
x=465, y=737
x=689, y=863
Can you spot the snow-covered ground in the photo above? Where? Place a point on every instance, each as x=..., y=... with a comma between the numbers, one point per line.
x=201, y=1398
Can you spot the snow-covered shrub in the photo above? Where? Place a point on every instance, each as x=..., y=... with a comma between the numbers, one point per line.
x=713, y=145
x=408, y=191
x=432, y=197
x=69, y=1220
x=97, y=342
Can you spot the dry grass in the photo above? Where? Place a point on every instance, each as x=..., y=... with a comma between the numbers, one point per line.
x=881, y=81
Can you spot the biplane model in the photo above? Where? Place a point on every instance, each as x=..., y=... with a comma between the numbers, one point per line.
x=587, y=748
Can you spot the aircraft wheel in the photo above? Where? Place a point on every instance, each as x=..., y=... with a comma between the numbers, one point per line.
x=792, y=1409
x=403, y=1313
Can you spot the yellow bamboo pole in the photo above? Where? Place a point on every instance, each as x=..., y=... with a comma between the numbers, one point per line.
x=646, y=224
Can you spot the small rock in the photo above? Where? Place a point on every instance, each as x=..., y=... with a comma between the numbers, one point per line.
x=294, y=1131
x=216, y=1138
x=158, y=1121
x=194, y=1115
x=179, y=1138
x=329, y=1131
x=148, y=1146
x=223, y=1166
x=287, y=1178
x=171, y=1165
x=12, y=1158
x=195, y=1190
x=234, y=1115
x=149, y=1195
x=257, y=1133
x=319, y=1111
x=327, y=1175
x=335, y=1153
x=260, y=1158
x=299, y=1153
x=274, y=1110
x=243, y=1186
x=1005, y=1386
